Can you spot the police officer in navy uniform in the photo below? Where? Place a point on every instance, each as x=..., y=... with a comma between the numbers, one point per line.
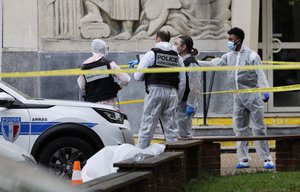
x=164, y=90
x=101, y=88
x=187, y=106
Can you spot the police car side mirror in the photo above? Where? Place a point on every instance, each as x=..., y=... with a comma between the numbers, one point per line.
x=6, y=99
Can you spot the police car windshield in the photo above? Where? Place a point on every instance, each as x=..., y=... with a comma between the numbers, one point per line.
x=16, y=90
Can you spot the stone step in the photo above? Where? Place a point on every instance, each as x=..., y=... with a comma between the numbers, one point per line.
x=270, y=119
x=216, y=130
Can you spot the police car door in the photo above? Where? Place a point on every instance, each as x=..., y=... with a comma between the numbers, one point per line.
x=15, y=120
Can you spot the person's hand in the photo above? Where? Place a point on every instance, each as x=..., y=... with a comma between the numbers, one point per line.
x=132, y=63
x=189, y=110
x=266, y=97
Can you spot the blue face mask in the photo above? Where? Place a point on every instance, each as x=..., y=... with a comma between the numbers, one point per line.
x=231, y=46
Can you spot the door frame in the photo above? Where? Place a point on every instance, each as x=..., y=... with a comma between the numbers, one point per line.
x=270, y=44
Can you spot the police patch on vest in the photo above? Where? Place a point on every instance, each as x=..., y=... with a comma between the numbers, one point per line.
x=93, y=77
x=165, y=60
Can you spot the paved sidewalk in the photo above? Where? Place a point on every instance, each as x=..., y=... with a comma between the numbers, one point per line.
x=229, y=160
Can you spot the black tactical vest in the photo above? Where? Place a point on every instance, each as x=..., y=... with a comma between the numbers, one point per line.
x=99, y=87
x=187, y=63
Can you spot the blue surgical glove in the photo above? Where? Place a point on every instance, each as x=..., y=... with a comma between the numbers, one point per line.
x=266, y=97
x=132, y=63
x=189, y=110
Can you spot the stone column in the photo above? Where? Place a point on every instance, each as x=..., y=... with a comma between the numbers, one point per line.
x=245, y=14
x=1, y=34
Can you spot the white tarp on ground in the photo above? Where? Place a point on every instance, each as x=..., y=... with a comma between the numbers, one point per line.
x=101, y=163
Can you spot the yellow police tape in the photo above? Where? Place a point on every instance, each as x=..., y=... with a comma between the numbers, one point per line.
x=259, y=90
x=74, y=72
x=130, y=102
x=123, y=66
x=280, y=62
x=256, y=90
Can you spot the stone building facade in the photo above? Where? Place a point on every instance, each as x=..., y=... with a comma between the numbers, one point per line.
x=56, y=34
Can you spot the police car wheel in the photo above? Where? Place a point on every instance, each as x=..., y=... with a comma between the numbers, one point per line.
x=60, y=154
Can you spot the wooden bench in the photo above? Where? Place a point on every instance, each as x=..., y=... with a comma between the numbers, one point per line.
x=166, y=170
x=117, y=182
x=207, y=152
x=287, y=148
x=247, y=138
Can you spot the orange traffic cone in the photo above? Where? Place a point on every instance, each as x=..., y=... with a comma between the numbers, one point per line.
x=76, y=176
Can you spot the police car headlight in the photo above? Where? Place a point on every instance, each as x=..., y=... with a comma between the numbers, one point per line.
x=112, y=116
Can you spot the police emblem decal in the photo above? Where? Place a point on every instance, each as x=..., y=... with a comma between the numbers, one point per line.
x=10, y=127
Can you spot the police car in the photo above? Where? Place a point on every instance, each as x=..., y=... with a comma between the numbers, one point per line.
x=58, y=132
x=13, y=152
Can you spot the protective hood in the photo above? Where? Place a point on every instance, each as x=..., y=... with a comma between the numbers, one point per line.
x=166, y=46
x=99, y=46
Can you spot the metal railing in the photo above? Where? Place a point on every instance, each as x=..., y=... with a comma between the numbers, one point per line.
x=207, y=97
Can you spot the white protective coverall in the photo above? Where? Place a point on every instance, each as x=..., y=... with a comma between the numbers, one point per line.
x=183, y=121
x=246, y=106
x=160, y=103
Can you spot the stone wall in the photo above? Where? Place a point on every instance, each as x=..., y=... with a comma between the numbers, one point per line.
x=128, y=25
x=56, y=34
x=287, y=155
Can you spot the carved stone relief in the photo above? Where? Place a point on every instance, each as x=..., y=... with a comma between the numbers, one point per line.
x=137, y=19
x=63, y=18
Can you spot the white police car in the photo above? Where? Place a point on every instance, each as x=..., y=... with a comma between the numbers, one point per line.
x=13, y=152
x=58, y=132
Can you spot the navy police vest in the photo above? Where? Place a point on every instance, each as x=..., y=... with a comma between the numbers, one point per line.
x=187, y=63
x=163, y=59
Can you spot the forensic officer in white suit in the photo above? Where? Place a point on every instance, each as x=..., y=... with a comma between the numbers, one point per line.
x=246, y=106
x=163, y=90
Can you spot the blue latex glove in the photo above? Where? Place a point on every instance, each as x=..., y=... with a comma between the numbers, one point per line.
x=189, y=110
x=132, y=63
x=266, y=97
